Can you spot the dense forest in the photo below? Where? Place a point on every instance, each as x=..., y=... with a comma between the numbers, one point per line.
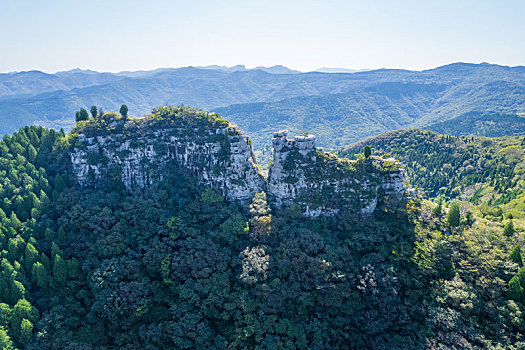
x=177, y=266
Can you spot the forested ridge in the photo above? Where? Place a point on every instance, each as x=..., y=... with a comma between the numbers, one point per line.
x=177, y=266
x=473, y=168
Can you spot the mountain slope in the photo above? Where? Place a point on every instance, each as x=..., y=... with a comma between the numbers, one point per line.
x=464, y=167
x=363, y=103
x=491, y=125
x=337, y=119
x=15, y=85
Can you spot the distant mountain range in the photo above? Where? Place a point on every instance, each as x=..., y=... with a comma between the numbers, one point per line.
x=339, y=70
x=339, y=108
x=241, y=68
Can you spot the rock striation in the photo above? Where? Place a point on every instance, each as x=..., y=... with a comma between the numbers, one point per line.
x=140, y=152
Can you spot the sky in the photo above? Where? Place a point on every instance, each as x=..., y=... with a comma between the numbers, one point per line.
x=116, y=35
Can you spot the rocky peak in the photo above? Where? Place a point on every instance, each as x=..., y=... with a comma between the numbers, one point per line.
x=304, y=144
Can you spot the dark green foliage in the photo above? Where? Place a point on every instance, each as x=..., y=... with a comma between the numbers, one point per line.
x=22, y=321
x=5, y=341
x=5, y=314
x=60, y=270
x=178, y=266
x=24, y=198
x=515, y=255
x=508, y=230
x=484, y=124
x=59, y=183
x=124, y=111
x=73, y=268
x=81, y=115
x=515, y=291
x=211, y=196
x=437, y=211
x=93, y=111
x=40, y=275
x=450, y=166
x=469, y=218
x=26, y=331
x=521, y=275
x=367, y=151
x=453, y=215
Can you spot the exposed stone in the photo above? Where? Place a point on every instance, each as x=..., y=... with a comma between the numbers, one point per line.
x=224, y=162
x=222, y=158
x=323, y=184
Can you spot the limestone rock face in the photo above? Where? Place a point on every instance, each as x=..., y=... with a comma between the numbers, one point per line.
x=323, y=184
x=141, y=153
x=220, y=158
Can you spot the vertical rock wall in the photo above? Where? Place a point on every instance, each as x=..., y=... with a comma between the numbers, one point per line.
x=222, y=158
x=323, y=184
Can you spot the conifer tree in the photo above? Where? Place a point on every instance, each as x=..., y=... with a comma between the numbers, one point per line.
x=124, y=111
x=31, y=255
x=45, y=261
x=508, y=230
x=73, y=269
x=26, y=331
x=15, y=292
x=5, y=314
x=453, y=216
x=521, y=275
x=5, y=341
x=94, y=111
x=438, y=209
x=60, y=184
x=40, y=275
x=59, y=270
x=20, y=329
x=515, y=255
x=515, y=290
x=367, y=152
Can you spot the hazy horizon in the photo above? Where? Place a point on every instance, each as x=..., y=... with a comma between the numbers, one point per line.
x=120, y=35
x=257, y=66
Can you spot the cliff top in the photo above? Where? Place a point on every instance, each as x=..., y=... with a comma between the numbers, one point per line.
x=184, y=117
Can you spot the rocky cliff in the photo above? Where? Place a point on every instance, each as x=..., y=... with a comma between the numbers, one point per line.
x=140, y=151
x=323, y=184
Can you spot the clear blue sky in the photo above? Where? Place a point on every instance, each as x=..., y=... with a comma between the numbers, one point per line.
x=114, y=35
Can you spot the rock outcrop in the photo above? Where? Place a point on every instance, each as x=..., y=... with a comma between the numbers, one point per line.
x=219, y=156
x=140, y=152
x=323, y=184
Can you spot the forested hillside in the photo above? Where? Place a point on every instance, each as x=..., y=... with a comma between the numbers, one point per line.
x=491, y=125
x=466, y=167
x=176, y=265
x=337, y=107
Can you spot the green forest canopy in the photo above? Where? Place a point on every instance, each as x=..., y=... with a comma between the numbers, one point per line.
x=173, y=267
